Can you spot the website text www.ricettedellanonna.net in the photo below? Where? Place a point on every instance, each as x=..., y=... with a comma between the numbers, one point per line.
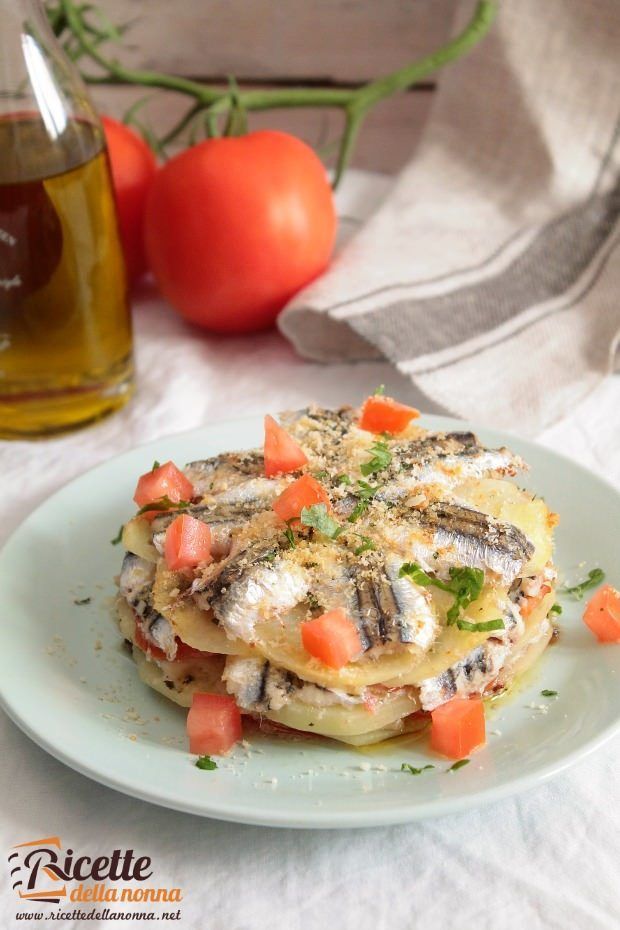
x=97, y=914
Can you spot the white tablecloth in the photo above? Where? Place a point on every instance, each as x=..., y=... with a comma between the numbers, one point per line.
x=548, y=859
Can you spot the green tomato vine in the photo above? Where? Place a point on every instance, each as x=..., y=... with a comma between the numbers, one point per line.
x=85, y=32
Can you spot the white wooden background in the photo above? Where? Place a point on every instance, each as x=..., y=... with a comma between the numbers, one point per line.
x=275, y=42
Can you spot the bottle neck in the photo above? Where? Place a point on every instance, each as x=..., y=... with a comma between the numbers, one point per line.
x=36, y=76
x=22, y=16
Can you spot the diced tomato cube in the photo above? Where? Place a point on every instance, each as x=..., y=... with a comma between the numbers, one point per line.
x=188, y=543
x=458, y=727
x=165, y=481
x=304, y=492
x=213, y=724
x=602, y=614
x=384, y=415
x=282, y=454
x=332, y=638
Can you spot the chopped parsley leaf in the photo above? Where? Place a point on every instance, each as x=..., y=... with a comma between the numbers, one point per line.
x=164, y=503
x=546, y=692
x=320, y=474
x=379, y=390
x=465, y=583
x=482, y=627
x=458, y=765
x=381, y=458
x=155, y=465
x=365, y=546
x=405, y=767
x=318, y=518
x=118, y=536
x=595, y=576
x=360, y=508
x=419, y=576
x=82, y=600
x=343, y=479
x=206, y=763
x=290, y=537
x=556, y=609
x=365, y=493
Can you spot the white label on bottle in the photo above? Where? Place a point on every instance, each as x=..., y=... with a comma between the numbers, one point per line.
x=6, y=284
x=7, y=238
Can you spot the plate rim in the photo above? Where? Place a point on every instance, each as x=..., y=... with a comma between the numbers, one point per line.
x=310, y=817
x=317, y=820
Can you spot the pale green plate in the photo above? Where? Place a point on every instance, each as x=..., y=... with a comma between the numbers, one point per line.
x=70, y=685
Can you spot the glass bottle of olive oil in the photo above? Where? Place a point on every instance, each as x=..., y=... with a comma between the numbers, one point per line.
x=65, y=330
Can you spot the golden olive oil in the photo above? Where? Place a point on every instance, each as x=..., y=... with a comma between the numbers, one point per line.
x=65, y=330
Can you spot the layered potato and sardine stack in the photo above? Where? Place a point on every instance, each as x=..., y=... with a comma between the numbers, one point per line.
x=434, y=572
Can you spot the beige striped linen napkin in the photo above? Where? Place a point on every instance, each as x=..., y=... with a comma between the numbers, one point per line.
x=490, y=275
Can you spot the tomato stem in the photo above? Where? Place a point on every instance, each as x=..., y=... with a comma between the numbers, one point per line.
x=213, y=102
x=182, y=124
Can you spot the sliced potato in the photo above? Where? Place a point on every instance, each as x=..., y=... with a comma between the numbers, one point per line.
x=198, y=629
x=353, y=678
x=345, y=720
x=402, y=727
x=507, y=502
x=184, y=678
x=138, y=538
x=375, y=736
x=126, y=618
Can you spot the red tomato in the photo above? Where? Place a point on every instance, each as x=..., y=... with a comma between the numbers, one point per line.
x=602, y=614
x=458, y=727
x=185, y=653
x=165, y=481
x=213, y=724
x=304, y=492
x=188, y=543
x=332, y=638
x=282, y=454
x=133, y=169
x=384, y=415
x=234, y=227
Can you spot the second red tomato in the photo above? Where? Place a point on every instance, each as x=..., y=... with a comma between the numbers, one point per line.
x=234, y=227
x=133, y=168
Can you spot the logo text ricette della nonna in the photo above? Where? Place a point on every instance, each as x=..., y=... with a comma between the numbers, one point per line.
x=40, y=870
